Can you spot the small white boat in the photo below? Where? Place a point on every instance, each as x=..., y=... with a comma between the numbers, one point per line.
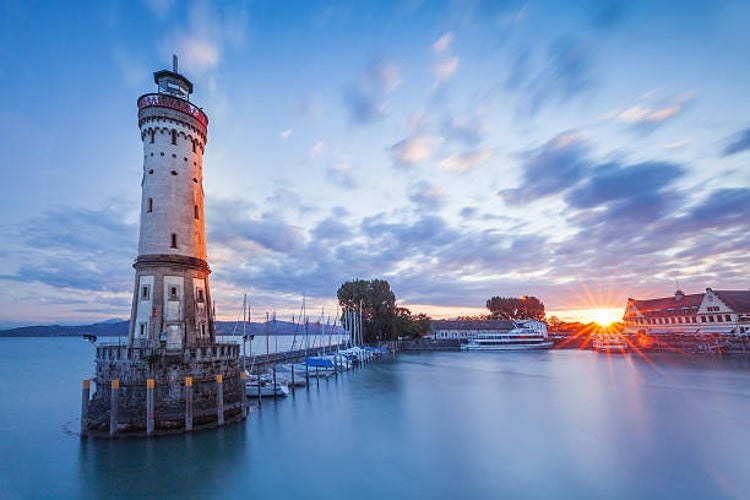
x=266, y=388
x=609, y=343
x=284, y=374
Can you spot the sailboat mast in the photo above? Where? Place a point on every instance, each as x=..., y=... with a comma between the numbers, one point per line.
x=268, y=345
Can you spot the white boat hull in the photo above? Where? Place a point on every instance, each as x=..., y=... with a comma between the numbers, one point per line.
x=506, y=347
x=266, y=390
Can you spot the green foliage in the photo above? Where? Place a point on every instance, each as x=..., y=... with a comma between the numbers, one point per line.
x=408, y=325
x=381, y=319
x=513, y=308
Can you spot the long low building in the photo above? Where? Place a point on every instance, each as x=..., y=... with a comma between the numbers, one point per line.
x=722, y=312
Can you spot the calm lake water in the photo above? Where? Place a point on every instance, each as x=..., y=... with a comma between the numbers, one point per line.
x=557, y=424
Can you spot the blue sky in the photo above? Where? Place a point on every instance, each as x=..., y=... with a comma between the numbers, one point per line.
x=582, y=152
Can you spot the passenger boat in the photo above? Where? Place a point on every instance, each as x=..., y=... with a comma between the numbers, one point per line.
x=609, y=343
x=524, y=335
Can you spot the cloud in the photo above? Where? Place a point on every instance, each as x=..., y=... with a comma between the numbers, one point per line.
x=159, y=8
x=414, y=150
x=341, y=176
x=80, y=248
x=519, y=69
x=285, y=134
x=550, y=169
x=646, y=118
x=426, y=196
x=612, y=182
x=445, y=69
x=721, y=209
x=567, y=73
x=317, y=149
x=738, y=143
x=208, y=30
x=468, y=130
x=464, y=161
x=442, y=43
x=367, y=101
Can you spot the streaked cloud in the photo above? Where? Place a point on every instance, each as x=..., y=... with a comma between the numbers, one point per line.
x=738, y=143
x=464, y=161
x=367, y=100
x=442, y=43
x=550, y=169
x=415, y=149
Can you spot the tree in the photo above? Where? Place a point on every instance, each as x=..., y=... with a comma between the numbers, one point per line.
x=381, y=318
x=377, y=304
x=408, y=325
x=513, y=308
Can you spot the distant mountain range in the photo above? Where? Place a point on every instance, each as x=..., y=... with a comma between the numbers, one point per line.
x=119, y=328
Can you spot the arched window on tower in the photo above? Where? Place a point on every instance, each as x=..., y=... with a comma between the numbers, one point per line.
x=174, y=136
x=174, y=240
x=193, y=146
x=196, y=212
x=150, y=205
x=151, y=133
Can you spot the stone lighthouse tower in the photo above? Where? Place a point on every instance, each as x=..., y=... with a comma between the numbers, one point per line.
x=172, y=299
x=172, y=375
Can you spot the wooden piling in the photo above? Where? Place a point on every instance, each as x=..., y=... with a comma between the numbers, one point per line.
x=188, y=404
x=114, y=394
x=292, y=378
x=274, y=382
x=220, y=399
x=243, y=388
x=150, y=406
x=85, y=394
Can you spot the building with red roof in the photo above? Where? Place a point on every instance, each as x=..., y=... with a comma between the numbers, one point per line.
x=722, y=312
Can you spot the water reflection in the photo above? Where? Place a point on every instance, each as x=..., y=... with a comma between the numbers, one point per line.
x=188, y=465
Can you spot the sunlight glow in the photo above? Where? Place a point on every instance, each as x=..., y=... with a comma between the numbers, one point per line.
x=606, y=316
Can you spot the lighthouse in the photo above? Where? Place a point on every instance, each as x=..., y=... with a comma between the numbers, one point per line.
x=172, y=375
x=172, y=299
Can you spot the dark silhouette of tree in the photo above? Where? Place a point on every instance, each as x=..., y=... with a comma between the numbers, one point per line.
x=513, y=308
x=381, y=319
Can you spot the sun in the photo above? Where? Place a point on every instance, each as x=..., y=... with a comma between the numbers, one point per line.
x=605, y=316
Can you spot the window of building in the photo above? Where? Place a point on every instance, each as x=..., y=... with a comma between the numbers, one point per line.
x=199, y=295
x=152, y=136
x=193, y=146
x=144, y=292
x=196, y=213
x=172, y=293
x=150, y=205
x=203, y=330
x=174, y=240
x=143, y=329
x=174, y=136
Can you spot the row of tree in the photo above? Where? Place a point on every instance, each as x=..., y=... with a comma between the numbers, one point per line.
x=382, y=319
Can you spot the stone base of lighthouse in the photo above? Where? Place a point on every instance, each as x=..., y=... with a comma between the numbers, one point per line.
x=144, y=391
